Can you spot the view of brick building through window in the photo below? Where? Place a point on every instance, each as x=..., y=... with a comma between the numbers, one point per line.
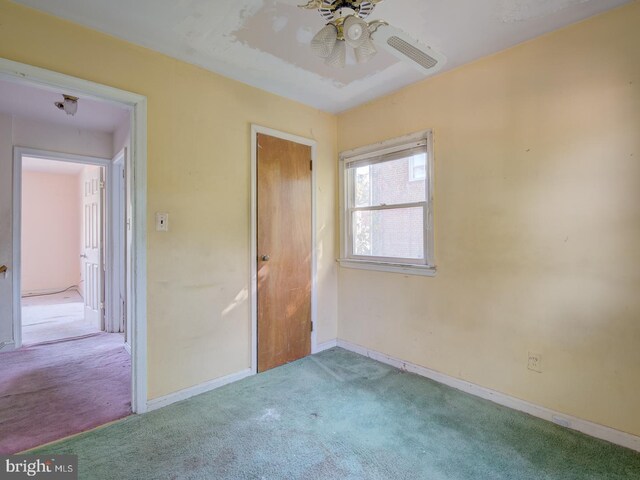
x=395, y=232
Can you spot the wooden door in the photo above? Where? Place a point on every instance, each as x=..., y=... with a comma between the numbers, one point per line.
x=92, y=271
x=284, y=251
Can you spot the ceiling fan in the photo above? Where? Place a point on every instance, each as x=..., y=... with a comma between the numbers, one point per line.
x=347, y=26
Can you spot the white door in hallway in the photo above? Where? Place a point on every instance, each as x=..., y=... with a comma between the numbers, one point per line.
x=92, y=245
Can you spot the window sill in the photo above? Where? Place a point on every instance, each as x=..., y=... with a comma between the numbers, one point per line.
x=421, y=270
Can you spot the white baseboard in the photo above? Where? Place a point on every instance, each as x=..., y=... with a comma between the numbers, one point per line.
x=589, y=428
x=326, y=346
x=48, y=291
x=160, y=402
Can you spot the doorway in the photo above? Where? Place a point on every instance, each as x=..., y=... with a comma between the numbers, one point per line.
x=10, y=293
x=69, y=365
x=283, y=248
x=62, y=248
x=136, y=207
x=65, y=238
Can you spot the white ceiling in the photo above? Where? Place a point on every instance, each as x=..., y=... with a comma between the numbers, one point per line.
x=265, y=43
x=30, y=102
x=44, y=165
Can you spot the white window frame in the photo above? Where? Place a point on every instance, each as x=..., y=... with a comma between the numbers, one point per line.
x=426, y=266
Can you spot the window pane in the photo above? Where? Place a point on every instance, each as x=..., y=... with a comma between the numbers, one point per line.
x=391, y=183
x=395, y=233
x=418, y=168
x=362, y=190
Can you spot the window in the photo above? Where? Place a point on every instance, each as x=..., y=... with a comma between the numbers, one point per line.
x=386, y=217
x=418, y=168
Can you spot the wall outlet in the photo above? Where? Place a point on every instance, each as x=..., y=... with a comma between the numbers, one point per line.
x=162, y=222
x=535, y=362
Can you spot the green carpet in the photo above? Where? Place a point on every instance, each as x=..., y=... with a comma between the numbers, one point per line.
x=338, y=415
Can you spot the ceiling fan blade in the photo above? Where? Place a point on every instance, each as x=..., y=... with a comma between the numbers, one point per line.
x=325, y=41
x=338, y=57
x=406, y=48
x=366, y=51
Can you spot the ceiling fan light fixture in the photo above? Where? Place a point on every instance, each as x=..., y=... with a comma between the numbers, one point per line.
x=338, y=57
x=347, y=25
x=325, y=41
x=366, y=51
x=356, y=31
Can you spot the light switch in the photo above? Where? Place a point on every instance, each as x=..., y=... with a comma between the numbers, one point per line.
x=162, y=222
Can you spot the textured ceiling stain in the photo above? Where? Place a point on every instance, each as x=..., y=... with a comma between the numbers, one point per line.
x=209, y=20
x=285, y=31
x=267, y=38
x=521, y=10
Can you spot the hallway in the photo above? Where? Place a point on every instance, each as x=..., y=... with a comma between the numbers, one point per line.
x=53, y=390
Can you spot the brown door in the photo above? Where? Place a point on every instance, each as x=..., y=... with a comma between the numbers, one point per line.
x=284, y=251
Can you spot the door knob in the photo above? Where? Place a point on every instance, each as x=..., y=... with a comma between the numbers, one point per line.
x=266, y=258
x=83, y=256
x=3, y=269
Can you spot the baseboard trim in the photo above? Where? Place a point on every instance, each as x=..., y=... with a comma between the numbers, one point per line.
x=589, y=428
x=49, y=291
x=166, y=400
x=326, y=346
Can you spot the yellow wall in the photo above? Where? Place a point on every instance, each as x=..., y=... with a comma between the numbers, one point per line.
x=51, y=229
x=537, y=223
x=199, y=172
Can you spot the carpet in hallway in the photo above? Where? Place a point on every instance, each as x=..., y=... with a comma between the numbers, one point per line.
x=50, y=391
x=341, y=416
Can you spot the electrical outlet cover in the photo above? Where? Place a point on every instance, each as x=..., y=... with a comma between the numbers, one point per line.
x=535, y=362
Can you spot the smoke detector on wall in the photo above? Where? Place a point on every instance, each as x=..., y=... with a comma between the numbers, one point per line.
x=347, y=27
x=69, y=104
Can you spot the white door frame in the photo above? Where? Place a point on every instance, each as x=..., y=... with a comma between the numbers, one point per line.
x=255, y=130
x=137, y=105
x=118, y=259
x=107, y=224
